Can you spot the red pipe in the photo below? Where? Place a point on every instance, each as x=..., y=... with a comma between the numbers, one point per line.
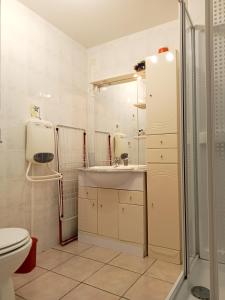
x=84, y=149
x=110, y=150
x=59, y=186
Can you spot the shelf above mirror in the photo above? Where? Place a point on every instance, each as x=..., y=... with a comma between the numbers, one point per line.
x=118, y=79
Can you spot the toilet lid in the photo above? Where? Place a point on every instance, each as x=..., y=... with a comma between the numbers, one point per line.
x=12, y=236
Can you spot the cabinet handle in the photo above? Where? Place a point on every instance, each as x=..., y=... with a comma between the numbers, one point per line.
x=93, y=204
x=130, y=197
x=161, y=156
x=152, y=204
x=123, y=209
x=161, y=142
x=150, y=95
x=101, y=205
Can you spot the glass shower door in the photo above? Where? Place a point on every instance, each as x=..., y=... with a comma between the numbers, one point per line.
x=189, y=138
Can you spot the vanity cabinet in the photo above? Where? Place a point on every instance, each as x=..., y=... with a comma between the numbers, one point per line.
x=108, y=212
x=163, y=181
x=114, y=218
x=117, y=214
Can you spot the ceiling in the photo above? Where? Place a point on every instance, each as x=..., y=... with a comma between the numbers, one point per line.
x=93, y=22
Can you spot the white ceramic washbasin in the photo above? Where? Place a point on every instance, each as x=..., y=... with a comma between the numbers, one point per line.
x=116, y=168
x=110, y=168
x=121, y=177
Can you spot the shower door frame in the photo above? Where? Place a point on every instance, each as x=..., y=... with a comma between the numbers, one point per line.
x=183, y=123
x=214, y=285
x=183, y=147
x=213, y=259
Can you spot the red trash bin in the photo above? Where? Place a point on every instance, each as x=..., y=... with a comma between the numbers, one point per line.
x=30, y=262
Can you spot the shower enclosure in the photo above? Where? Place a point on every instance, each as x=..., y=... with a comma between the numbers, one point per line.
x=203, y=127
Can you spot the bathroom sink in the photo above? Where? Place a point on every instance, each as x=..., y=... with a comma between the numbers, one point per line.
x=120, y=177
x=116, y=168
x=111, y=168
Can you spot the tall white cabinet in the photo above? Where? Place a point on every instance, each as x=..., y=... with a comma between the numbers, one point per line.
x=162, y=146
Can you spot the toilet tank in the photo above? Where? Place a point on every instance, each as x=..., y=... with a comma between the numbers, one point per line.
x=40, y=141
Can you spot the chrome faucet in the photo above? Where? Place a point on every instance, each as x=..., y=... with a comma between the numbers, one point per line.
x=116, y=162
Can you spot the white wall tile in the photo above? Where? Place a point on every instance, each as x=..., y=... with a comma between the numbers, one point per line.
x=118, y=57
x=37, y=59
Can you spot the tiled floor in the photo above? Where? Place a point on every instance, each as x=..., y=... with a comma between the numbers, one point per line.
x=80, y=271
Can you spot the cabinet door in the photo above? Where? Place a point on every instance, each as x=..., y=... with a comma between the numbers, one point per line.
x=163, y=206
x=131, y=223
x=108, y=212
x=162, y=95
x=87, y=215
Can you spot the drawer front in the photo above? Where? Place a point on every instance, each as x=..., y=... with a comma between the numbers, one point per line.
x=88, y=192
x=162, y=155
x=131, y=197
x=162, y=141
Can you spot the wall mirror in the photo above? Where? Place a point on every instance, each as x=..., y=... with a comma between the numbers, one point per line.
x=119, y=112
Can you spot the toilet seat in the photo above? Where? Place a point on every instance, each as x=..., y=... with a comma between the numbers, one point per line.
x=12, y=239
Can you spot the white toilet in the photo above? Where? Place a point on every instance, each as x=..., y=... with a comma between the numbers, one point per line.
x=15, y=244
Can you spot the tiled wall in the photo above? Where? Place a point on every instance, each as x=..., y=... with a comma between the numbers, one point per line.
x=36, y=59
x=119, y=57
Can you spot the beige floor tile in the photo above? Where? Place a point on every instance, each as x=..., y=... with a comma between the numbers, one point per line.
x=75, y=247
x=100, y=254
x=22, y=279
x=50, y=286
x=78, y=268
x=51, y=258
x=165, y=271
x=85, y=292
x=133, y=263
x=147, y=288
x=113, y=279
x=19, y=298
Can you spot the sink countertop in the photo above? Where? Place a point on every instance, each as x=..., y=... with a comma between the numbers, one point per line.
x=112, y=169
